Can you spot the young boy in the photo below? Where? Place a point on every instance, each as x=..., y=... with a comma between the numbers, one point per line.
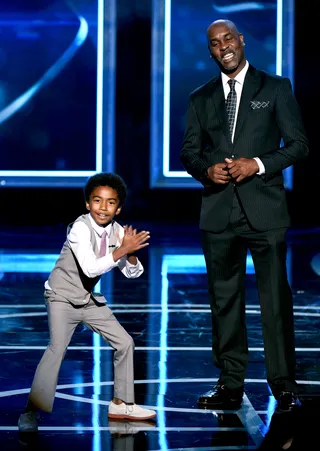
x=95, y=244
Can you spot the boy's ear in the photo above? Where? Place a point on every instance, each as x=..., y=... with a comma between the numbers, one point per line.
x=87, y=206
x=118, y=210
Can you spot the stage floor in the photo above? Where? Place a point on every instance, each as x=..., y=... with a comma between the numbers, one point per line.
x=167, y=313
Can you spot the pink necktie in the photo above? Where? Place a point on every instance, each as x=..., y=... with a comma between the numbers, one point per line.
x=103, y=245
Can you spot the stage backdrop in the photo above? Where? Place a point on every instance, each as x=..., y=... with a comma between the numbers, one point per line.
x=56, y=91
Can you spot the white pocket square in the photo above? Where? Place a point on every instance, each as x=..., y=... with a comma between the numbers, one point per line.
x=256, y=104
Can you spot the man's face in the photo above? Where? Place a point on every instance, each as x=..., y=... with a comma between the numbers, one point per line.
x=226, y=48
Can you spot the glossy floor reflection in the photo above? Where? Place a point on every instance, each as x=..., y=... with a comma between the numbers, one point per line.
x=167, y=313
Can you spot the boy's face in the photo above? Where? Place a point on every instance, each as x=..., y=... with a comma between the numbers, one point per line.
x=103, y=205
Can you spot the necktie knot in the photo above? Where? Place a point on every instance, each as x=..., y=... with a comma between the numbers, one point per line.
x=103, y=245
x=232, y=83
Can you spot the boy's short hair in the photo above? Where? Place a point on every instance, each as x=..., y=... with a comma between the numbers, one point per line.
x=114, y=181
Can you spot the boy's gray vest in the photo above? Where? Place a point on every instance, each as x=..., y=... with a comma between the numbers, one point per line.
x=67, y=280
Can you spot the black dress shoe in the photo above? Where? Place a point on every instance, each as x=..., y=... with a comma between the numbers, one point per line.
x=288, y=401
x=222, y=398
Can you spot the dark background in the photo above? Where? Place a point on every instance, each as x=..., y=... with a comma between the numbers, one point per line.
x=54, y=208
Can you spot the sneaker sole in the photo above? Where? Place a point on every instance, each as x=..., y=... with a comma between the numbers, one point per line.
x=129, y=417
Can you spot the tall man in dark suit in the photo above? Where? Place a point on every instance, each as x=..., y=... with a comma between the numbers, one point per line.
x=235, y=124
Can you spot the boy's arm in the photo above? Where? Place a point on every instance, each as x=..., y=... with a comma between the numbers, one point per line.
x=80, y=244
x=129, y=264
x=129, y=269
x=132, y=259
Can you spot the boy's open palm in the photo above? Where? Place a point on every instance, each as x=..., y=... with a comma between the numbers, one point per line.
x=133, y=241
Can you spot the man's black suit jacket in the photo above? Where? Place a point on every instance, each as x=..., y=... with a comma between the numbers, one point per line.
x=268, y=116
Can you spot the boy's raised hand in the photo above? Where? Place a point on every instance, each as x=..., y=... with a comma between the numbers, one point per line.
x=131, y=242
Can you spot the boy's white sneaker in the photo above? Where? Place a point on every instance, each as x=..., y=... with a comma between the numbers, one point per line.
x=131, y=412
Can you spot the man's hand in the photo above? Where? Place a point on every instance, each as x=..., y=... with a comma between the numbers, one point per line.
x=218, y=173
x=241, y=168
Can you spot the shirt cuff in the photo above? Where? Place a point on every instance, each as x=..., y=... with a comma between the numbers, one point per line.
x=262, y=169
x=133, y=269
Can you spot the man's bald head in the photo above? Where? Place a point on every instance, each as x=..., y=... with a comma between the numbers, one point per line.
x=226, y=22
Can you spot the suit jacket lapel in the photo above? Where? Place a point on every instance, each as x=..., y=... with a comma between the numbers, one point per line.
x=220, y=106
x=251, y=85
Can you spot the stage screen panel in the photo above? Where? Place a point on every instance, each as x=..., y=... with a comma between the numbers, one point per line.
x=56, y=76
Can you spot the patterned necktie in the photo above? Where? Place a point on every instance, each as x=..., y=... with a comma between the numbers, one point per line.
x=103, y=245
x=231, y=104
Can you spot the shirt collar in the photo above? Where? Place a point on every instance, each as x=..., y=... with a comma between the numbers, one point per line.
x=98, y=228
x=239, y=77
